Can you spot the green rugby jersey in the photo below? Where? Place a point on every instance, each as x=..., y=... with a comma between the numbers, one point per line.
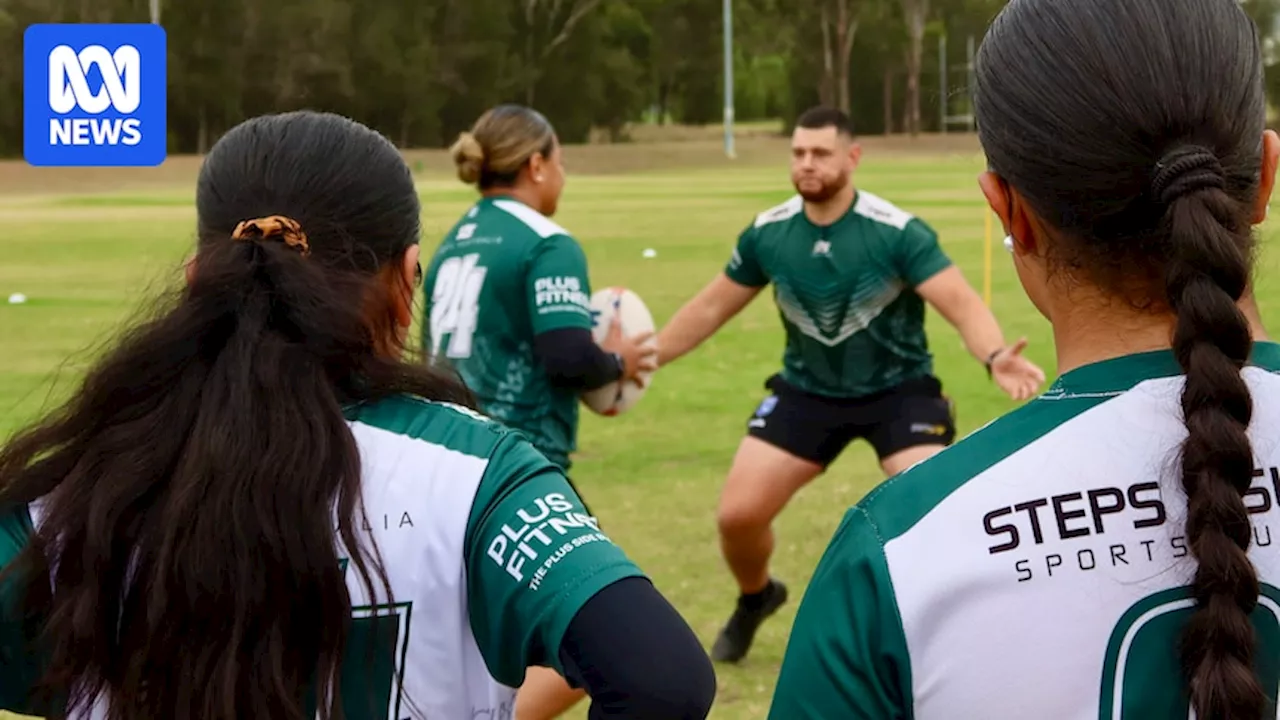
x=504, y=274
x=489, y=552
x=854, y=323
x=1037, y=569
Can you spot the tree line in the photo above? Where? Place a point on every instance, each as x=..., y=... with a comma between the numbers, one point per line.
x=422, y=70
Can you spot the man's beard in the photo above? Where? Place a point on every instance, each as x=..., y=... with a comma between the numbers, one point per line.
x=825, y=193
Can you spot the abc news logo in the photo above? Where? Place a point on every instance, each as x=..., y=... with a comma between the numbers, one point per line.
x=94, y=95
x=69, y=90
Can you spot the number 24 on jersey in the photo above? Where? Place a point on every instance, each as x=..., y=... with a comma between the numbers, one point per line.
x=455, y=305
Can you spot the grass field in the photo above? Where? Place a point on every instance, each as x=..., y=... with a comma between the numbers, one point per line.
x=87, y=248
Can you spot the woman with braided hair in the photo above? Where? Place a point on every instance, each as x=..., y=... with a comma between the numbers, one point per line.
x=1106, y=551
x=257, y=507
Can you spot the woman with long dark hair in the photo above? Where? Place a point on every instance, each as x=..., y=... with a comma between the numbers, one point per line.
x=254, y=507
x=1105, y=551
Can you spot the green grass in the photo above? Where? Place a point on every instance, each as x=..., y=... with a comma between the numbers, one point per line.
x=653, y=475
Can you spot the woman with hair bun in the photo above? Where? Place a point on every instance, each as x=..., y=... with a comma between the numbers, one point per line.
x=508, y=289
x=509, y=300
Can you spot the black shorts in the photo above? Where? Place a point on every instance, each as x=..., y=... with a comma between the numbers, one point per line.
x=818, y=428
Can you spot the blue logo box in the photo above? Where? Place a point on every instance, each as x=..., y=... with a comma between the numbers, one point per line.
x=94, y=95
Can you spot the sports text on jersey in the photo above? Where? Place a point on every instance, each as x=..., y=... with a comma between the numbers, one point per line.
x=540, y=536
x=1061, y=523
x=94, y=95
x=558, y=294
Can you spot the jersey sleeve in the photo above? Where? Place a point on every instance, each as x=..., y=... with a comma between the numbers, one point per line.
x=847, y=655
x=920, y=256
x=559, y=292
x=21, y=669
x=534, y=557
x=744, y=265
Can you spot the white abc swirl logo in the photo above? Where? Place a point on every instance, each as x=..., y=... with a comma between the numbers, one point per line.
x=121, y=79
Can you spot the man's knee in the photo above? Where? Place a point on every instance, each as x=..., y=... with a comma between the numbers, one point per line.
x=905, y=459
x=743, y=517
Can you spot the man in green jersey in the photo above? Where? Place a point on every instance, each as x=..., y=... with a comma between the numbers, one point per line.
x=851, y=274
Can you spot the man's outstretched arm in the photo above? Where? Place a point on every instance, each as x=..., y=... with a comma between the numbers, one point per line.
x=702, y=316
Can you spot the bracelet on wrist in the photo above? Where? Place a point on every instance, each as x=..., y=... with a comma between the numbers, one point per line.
x=991, y=360
x=621, y=363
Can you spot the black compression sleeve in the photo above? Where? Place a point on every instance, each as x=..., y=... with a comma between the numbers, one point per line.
x=573, y=359
x=636, y=657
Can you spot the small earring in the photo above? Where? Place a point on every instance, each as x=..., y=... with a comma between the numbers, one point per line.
x=537, y=178
x=1008, y=243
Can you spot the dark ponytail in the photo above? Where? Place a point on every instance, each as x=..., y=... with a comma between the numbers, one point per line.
x=1208, y=269
x=188, y=492
x=1143, y=158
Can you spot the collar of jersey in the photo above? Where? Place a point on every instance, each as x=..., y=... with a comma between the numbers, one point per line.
x=857, y=194
x=1118, y=375
x=491, y=199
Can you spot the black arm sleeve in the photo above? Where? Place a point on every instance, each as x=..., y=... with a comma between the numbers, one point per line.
x=636, y=657
x=573, y=359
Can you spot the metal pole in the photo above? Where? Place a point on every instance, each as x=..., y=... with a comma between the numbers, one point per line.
x=942, y=79
x=728, y=79
x=155, y=12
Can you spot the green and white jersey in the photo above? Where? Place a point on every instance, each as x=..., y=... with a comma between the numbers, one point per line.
x=845, y=291
x=489, y=552
x=1037, y=569
x=504, y=274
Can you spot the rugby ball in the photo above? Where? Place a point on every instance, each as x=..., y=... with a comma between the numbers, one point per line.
x=630, y=310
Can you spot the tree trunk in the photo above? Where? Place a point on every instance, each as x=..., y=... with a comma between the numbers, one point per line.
x=826, y=91
x=906, y=107
x=202, y=134
x=536, y=58
x=888, y=99
x=915, y=11
x=530, y=68
x=846, y=28
x=912, y=114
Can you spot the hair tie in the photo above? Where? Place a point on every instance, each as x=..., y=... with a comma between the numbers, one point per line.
x=1184, y=170
x=273, y=226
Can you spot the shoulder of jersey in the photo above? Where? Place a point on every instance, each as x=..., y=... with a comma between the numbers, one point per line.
x=451, y=426
x=876, y=208
x=541, y=225
x=780, y=213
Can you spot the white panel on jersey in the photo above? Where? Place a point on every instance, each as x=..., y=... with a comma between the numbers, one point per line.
x=840, y=321
x=983, y=628
x=778, y=213
x=881, y=210
x=539, y=223
x=418, y=497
